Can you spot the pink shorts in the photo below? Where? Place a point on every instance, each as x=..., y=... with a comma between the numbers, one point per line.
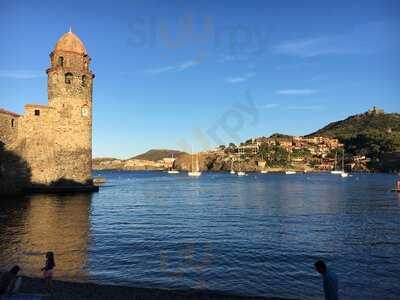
x=48, y=274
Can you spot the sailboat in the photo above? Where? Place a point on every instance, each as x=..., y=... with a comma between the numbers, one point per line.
x=241, y=173
x=197, y=172
x=290, y=172
x=343, y=174
x=334, y=171
x=232, y=170
x=263, y=171
x=172, y=170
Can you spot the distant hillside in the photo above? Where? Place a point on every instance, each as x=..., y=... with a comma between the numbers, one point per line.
x=101, y=159
x=362, y=123
x=157, y=154
x=374, y=134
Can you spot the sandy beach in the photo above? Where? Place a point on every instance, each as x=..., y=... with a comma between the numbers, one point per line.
x=63, y=290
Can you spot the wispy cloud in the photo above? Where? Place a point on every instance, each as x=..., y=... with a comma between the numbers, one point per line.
x=363, y=39
x=177, y=68
x=306, y=107
x=269, y=106
x=187, y=65
x=309, y=47
x=229, y=58
x=296, y=92
x=239, y=79
x=21, y=74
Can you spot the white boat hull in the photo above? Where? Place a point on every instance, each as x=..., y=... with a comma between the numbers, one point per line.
x=173, y=172
x=290, y=172
x=336, y=172
x=194, y=174
x=264, y=172
x=233, y=172
x=344, y=175
x=241, y=174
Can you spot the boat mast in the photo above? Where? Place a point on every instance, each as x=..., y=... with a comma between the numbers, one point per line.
x=335, y=165
x=343, y=161
x=192, y=159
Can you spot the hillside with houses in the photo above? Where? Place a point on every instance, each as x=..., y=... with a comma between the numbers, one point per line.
x=366, y=142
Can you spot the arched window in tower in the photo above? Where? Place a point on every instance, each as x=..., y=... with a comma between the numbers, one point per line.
x=61, y=61
x=68, y=78
x=84, y=80
x=85, y=111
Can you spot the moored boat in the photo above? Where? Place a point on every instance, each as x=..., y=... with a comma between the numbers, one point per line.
x=338, y=172
x=173, y=172
x=232, y=170
x=195, y=172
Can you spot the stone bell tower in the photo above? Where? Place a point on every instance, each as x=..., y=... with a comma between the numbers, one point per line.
x=70, y=85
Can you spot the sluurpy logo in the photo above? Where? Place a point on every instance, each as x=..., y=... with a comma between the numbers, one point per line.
x=201, y=32
x=192, y=258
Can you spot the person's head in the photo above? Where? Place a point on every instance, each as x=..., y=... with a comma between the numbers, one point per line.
x=320, y=266
x=50, y=256
x=15, y=270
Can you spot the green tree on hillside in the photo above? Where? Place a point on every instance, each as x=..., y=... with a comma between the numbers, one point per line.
x=275, y=155
x=303, y=153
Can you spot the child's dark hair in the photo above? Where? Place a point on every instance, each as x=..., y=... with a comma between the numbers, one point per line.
x=15, y=270
x=320, y=264
x=50, y=258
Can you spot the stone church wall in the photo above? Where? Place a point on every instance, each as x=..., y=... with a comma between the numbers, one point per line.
x=8, y=127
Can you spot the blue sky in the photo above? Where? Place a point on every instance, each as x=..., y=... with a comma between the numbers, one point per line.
x=171, y=74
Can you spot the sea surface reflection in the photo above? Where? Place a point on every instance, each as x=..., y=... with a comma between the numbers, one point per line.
x=32, y=225
x=255, y=235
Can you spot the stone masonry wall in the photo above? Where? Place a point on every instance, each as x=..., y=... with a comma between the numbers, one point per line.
x=73, y=103
x=8, y=127
x=36, y=143
x=55, y=141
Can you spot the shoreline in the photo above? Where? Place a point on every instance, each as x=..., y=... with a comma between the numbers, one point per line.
x=269, y=171
x=65, y=290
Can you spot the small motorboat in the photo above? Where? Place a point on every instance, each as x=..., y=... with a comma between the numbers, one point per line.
x=290, y=172
x=241, y=173
x=194, y=174
x=336, y=172
x=99, y=180
x=173, y=172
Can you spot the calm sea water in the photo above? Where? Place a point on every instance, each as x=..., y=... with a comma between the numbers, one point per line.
x=254, y=235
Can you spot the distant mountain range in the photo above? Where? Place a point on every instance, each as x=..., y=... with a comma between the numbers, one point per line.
x=150, y=160
x=158, y=154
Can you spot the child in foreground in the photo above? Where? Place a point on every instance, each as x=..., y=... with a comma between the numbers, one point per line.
x=48, y=270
